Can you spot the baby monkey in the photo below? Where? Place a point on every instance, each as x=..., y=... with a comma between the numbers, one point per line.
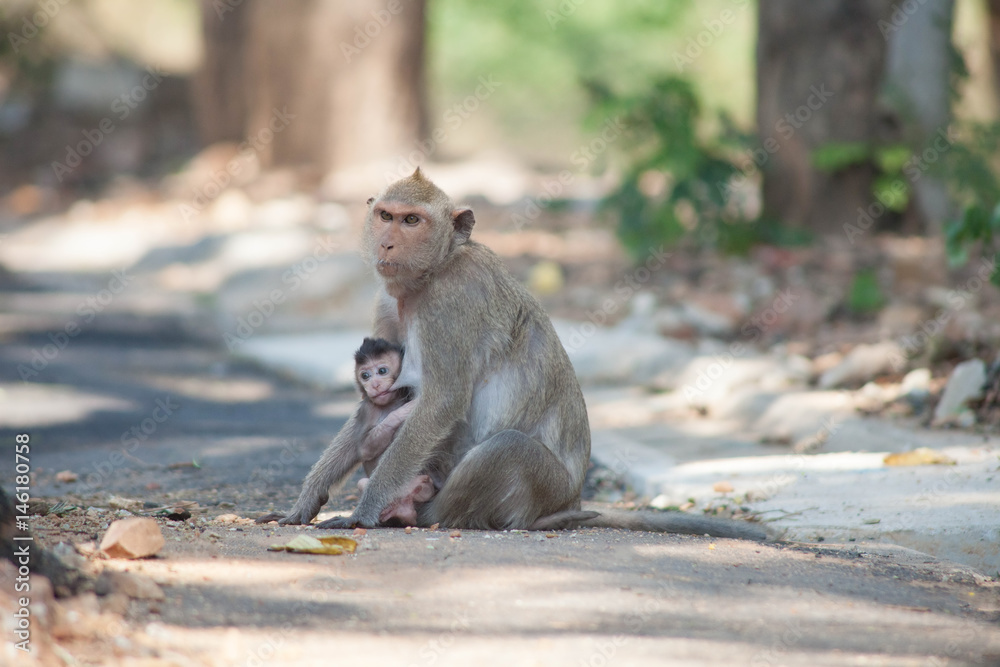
x=377, y=365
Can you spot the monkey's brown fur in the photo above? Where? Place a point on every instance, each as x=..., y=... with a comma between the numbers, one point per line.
x=497, y=399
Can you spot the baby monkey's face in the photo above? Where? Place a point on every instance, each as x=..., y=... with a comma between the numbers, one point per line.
x=376, y=375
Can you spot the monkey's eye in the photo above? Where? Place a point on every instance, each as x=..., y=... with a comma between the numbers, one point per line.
x=411, y=219
x=385, y=215
x=382, y=370
x=365, y=375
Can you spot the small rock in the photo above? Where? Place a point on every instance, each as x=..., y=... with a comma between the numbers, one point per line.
x=722, y=487
x=66, y=476
x=661, y=502
x=965, y=419
x=137, y=537
x=227, y=518
x=128, y=583
x=915, y=389
x=965, y=384
x=917, y=380
x=862, y=364
x=68, y=556
x=119, y=503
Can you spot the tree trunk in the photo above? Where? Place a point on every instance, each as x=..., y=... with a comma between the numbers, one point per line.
x=319, y=83
x=917, y=91
x=994, y=9
x=219, y=87
x=819, y=71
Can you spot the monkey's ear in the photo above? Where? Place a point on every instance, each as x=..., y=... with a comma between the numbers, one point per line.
x=463, y=220
x=370, y=200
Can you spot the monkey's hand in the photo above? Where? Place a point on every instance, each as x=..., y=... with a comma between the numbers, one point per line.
x=381, y=435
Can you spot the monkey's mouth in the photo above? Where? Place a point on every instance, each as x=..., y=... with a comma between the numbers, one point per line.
x=383, y=397
x=386, y=268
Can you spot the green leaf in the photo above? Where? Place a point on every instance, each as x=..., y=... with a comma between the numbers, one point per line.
x=834, y=157
x=893, y=192
x=891, y=159
x=865, y=296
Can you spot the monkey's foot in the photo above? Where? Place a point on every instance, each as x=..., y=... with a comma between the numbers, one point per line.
x=338, y=522
x=268, y=518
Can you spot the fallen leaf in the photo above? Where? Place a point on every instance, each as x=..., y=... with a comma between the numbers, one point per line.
x=359, y=531
x=307, y=544
x=922, y=456
x=871, y=522
x=722, y=487
x=712, y=545
x=455, y=533
x=66, y=476
x=551, y=535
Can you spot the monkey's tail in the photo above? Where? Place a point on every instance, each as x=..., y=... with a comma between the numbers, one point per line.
x=656, y=522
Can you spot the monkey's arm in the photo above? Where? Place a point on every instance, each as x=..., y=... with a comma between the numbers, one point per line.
x=379, y=437
x=336, y=463
x=387, y=324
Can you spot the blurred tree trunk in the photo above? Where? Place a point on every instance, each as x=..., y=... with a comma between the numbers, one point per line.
x=220, y=101
x=819, y=72
x=917, y=92
x=315, y=82
x=994, y=9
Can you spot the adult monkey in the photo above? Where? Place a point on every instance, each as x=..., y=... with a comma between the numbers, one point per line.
x=485, y=363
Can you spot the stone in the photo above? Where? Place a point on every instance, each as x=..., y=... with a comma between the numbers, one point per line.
x=965, y=384
x=130, y=584
x=136, y=537
x=619, y=356
x=862, y=364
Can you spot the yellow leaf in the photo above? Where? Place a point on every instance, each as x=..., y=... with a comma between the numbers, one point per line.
x=332, y=545
x=922, y=456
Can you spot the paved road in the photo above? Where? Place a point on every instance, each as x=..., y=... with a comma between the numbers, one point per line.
x=592, y=597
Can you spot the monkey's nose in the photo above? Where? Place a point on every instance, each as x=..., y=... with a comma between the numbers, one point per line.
x=387, y=246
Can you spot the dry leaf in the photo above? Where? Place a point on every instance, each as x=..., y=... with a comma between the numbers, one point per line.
x=722, y=487
x=712, y=545
x=307, y=544
x=923, y=456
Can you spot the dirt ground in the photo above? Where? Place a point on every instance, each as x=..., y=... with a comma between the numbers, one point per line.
x=239, y=441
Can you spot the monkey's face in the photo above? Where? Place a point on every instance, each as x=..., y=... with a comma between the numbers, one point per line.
x=410, y=230
x=375, y=377
x=403, y=238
